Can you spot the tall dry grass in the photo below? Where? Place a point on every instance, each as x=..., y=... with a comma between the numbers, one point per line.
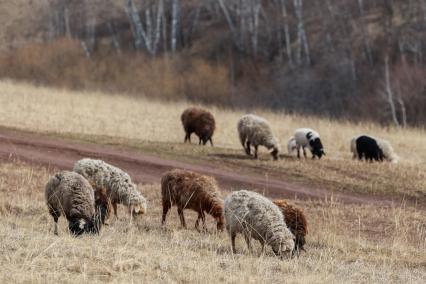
x=345, y=244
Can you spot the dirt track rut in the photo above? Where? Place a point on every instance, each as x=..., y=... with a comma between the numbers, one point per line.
x=57, y=153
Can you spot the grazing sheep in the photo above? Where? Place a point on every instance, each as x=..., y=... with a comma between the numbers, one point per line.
x=70, y=194
x=306, y=137
x=255, y=216
x=296, y=222
x=370, y=148
x=199, y=121
x=119, y=186
x=291, y=145
x=189, y=190
x=256, y=131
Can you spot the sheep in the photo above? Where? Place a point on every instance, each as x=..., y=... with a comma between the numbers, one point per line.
x=291, y=145
x=371, y=148
x=255, y=130
x=70, y=194
x=118, y=185
x=306, y=137
x=296, y=222
x=255, y=216
x=199, y=121
x=189, y=190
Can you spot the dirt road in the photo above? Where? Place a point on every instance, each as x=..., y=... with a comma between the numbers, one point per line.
x=57, y=153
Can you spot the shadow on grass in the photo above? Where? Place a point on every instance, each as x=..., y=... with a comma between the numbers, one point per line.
x=231, y=156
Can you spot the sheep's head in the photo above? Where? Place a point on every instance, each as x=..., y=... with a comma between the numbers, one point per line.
x=299, y=243
x=316, y=147
x=284, y=248
x=79, y=226
x=274, y=144
x=138, y=209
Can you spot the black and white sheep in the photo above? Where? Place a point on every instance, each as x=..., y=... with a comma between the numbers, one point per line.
x=306, y=137
x=118, y=184
x=256, y=131
x=371, y=148
x=70, y=194
x=255, y=216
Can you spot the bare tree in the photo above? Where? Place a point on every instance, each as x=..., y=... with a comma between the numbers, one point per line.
x=301, y=34
x=389, y=93
x=175, y=24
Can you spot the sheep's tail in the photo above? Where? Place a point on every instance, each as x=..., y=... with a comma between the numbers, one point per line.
x=242, y=135
x=55, y=180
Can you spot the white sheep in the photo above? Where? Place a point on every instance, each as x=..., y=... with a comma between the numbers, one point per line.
x=255, y=131
x=70, y=194
x=372, y=148
x=291, y=145
x=255, y=216
x=118, y=184
x=306, y=137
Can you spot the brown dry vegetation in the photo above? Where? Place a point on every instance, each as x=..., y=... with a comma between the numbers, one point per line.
x=62, y=63
x=346, y=243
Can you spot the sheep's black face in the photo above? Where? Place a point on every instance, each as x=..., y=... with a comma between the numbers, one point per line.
x=274, y=154
x=77, y=227
x=299, y=244
x=317, y=148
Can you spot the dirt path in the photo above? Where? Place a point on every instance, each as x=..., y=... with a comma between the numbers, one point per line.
x=57, y=153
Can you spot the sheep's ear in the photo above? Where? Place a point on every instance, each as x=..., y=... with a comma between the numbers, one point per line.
x=81, y=224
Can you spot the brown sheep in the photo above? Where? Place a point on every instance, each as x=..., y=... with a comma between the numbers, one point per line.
x=189, y=190
x=199, y=121
x=295, y=220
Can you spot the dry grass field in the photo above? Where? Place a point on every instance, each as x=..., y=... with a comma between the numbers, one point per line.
x=345, y=244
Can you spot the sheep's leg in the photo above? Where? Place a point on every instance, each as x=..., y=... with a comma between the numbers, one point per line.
x=263, y=247
x=247, y=148
x=182, y=217
x=298, y=151
x=199, y=142
x=211, y=141
x=166, y=207
x=233, y=235
x=248, y=241
x=255, y=151
x=203, y=218
x=114, y=207
x=55, y=230
x=304, y=152
x=55, y=214
x=198, y=222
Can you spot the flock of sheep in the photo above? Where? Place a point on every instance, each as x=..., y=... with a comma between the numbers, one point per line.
x=255, y=131
x=89, y=193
